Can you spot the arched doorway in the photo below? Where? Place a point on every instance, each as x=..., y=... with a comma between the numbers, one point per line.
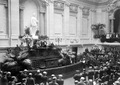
x=117, y=21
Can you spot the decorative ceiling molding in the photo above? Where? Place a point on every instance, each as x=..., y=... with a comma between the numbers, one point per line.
x=86, y=11
x=59, y=5
x=73, y=8
x=93, y=10
x=113, y=6
x=98, y=1
x=4, y=2
x=95, y=2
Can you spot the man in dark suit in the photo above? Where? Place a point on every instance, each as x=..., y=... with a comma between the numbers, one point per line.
x=54, y=81
x=60, y=80
x=44, y=78
x=30, y=80
x=77, y=75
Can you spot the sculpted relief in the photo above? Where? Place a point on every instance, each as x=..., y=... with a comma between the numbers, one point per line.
x=113, y=6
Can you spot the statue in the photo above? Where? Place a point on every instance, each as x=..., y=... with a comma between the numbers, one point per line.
x=34, y=26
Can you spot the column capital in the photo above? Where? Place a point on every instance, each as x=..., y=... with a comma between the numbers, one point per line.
x=47, y=2
x=59, y=5
x=86, y=11
x=105, y=10
x=93, y=10
x=67, y=3
x=81, y=7
x=74, y=8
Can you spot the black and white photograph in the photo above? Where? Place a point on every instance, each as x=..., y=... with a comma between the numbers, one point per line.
x=59, y=42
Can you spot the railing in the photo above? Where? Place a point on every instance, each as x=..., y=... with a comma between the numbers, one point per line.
x=69, y=69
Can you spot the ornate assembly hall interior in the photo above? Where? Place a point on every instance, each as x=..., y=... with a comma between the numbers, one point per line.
x=59, y=42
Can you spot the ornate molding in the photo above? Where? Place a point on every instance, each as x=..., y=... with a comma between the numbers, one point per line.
x=59, y=5
x=93, y=10
x=104, y=10
x=86, y=11
x=73, y=8
x=81, y=7
x=47, y=2
x=74, y=40
x=4, y=2
x=115, y=4
x=67, y=3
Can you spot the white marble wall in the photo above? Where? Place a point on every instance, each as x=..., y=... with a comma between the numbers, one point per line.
x=76, y=23
x=66, y=22
x=72, y=18
x=76, y=26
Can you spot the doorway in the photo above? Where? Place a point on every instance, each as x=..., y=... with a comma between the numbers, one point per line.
x=117, y=22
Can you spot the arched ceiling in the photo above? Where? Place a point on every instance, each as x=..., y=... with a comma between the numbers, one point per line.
x=98, y=1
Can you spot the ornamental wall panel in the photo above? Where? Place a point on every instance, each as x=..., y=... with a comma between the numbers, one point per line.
x=3, y=19
x=15, y=17
x=99, y=16
x=58, y=18
x=73, y=19
x=85, y=21
x=14, y=22
x=85, y=27
x=73, y=25
x=58, y=24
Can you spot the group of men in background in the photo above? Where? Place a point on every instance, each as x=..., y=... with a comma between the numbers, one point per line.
x=28, y=78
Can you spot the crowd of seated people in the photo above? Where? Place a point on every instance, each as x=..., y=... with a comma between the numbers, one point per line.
x=100, y=67
x=97, y=76
x=28, y=78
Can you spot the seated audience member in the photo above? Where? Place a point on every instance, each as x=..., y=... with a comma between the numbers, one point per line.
x=44, y=77
x=54, y=81
x=77, y=75
x=84, y=74
x=76, y=82
x=30, y=80
x=60, y=80
x=82, y=81
x=13, y=81
x=23, y=82
x=9, y=77
x=90, y=73
x=4, y=80
x=37, y=77
x=90, y=82
x=117, y=82
x=51, y=77
x=24, y=74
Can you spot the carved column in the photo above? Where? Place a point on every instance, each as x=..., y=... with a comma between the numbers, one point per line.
x=66, y=19
x=9, y=21
x=111, y=9
x=85, y=13
x=111, y=25
x=42, y=19
x=42, y=23
x=21, y=29
x=93, y=21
